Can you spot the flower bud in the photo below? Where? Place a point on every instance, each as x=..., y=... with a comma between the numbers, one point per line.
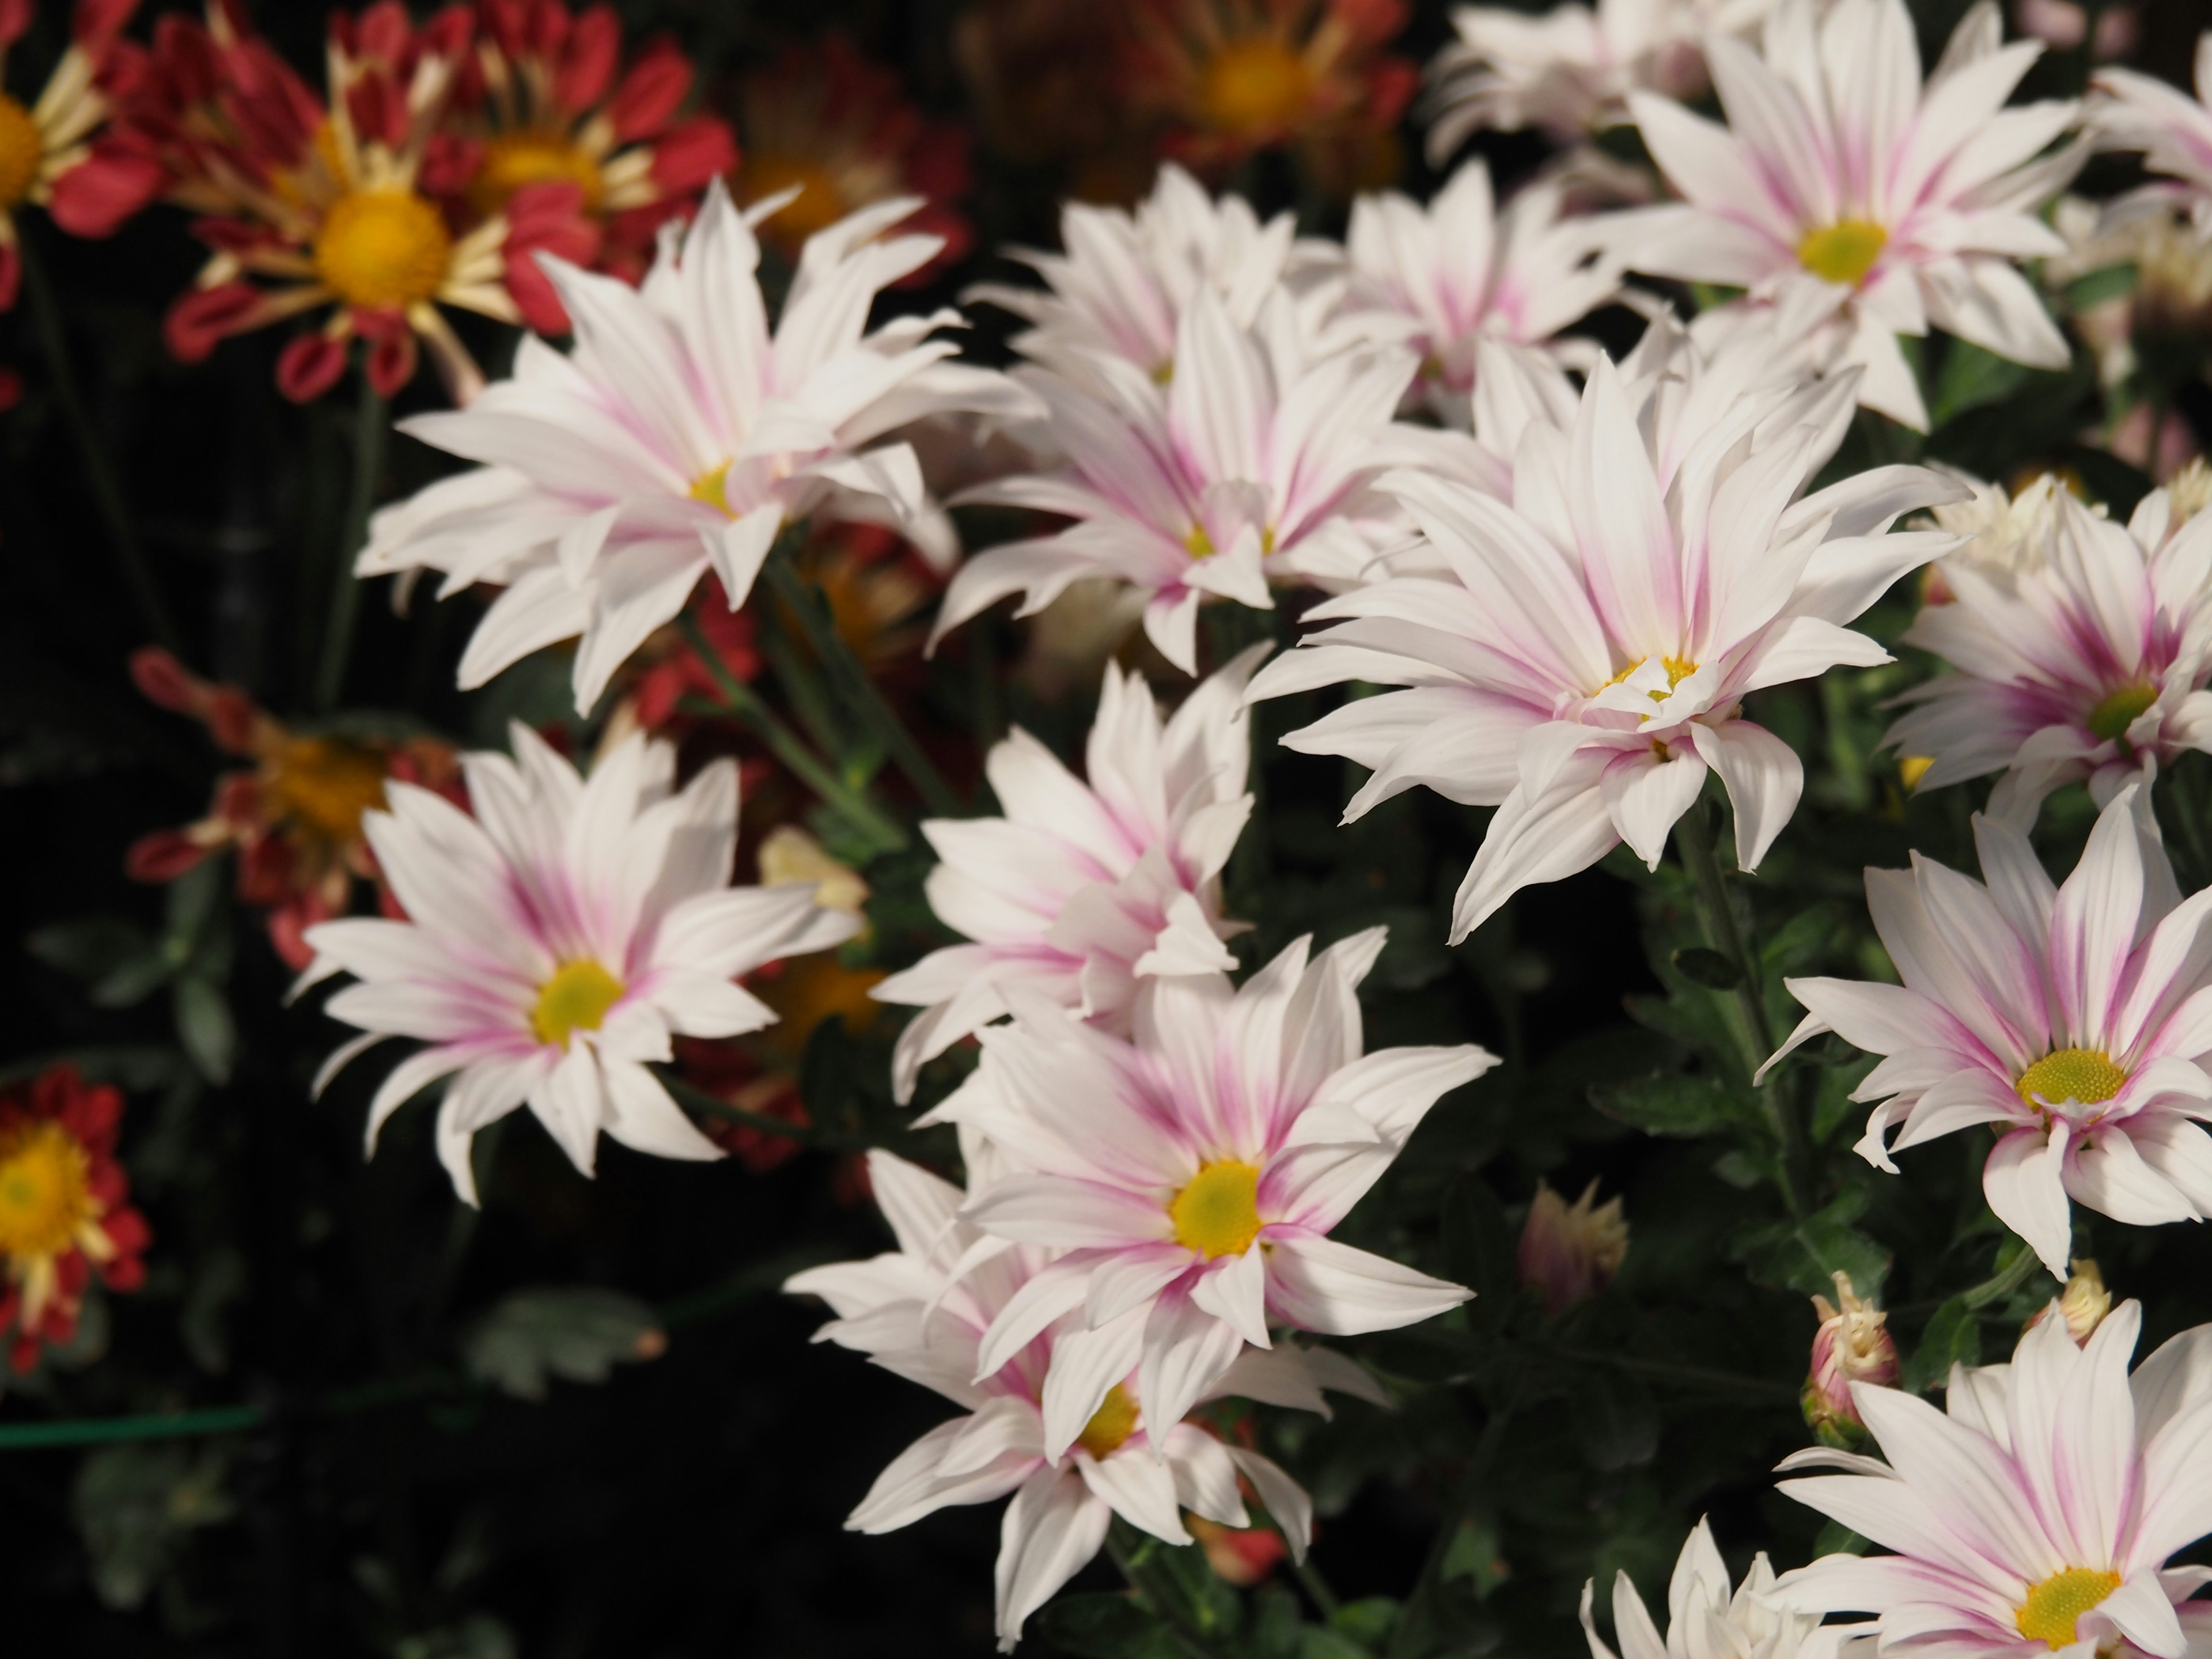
x=2082, y=1304
x=1569, y=1255
x=1853, y=1345
x=1242, y=1556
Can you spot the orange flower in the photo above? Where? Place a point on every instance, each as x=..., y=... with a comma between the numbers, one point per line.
x=65, y=1209
x=295, y=817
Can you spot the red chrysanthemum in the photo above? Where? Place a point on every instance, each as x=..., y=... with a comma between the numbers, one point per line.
x=65, y=1208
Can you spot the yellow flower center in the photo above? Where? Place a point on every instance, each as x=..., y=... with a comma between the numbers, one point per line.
x=22, y=152
x=383, y=250
x=516, y=159
x=1678, y=669
x=1911, y=769
x=325, y=784
x=711, y=486
x=1254, y=87
x=2052, y=1607
x=45, y=1189
x=1199, y=545
x=1219, y=1213
x=2117, y=710
x=2085, y=1075
x=1114, y=1422
x=576, y=999
x=1843, y=252
x=820, y=203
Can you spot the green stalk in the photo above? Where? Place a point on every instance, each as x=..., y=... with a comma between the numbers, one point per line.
x=861, y=694
x=106, y=1431
x=2007, y=1279
x=371, y=418
x=92, y=454
x=791, y=749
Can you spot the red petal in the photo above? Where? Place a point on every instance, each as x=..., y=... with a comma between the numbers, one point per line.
x=203, y=316
x=163, y=856
x=651, y=93
x=392, y=362
x=15, y=18
x=11, y=390
x=95, y=197
x=11, y=274
x=692, y=154
x=310, y=366
x=587, y=66
x=98, y=22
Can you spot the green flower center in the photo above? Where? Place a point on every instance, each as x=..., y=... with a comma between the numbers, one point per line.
x=2118, y=710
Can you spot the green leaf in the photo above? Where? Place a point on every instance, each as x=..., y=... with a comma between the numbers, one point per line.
x=205, y=1027
x=135, y=1504
x=1708, y=967
x=2086, y=293
x=89, y=950
x=1954, y=1336
x=1807, y=1257
x=1836, y=1539
x=574, y=1332
x=1479, y=1249
x=1477, y=1554
x=1676, y=1103
x=1972, y=379
x=1109, y=1624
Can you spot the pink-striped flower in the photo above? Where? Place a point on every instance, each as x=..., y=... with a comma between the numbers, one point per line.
x=1846, y=194
x=2075, y=1020
x=1192, y=1174
x=1082, y=890
x=1707, y=1616
x=2036, y=1514
x=2174, y=131
x=2089, y=659
x=556, y=940
x=921, y=1311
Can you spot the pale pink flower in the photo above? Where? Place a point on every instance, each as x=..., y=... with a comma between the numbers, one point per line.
x=1857, y=203
x=2089, y=659
x=556, y=942
x=2139, y=112
x=1082, y=890
x=2035, y=1515
x=1252, y=464
x=1193, y=1173
x=1707, y=1616
x=1568, y=1253
x=2074, y=1019
x=921, y=1311
x=1581, y=660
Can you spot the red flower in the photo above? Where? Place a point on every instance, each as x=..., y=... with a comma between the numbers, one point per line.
x=65, y=1209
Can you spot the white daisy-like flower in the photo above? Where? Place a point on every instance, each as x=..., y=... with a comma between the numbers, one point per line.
x=1082, y=890
x=1253, y=463
x=2035, y=1515
x=680, y=435
x=921, y=1311
x=555, y=941
x=2138, y=112
x=1707, y=1617
x=2006, y=533
x=1855, y=204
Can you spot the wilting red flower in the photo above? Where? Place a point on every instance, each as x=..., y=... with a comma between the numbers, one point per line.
x=65, y=1208
x=840, y=130
x=547, y=101
x=1231, y=77
x=295, y=817
x=53, y=152
x=345, y=203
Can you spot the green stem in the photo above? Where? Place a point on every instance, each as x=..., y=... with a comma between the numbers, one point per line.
x=861, y=694
x=1324, y=1599
x=791, y=749
x=92, y=454
x=371, y=418
x=2003, y=1282
x=1688, y=1376
x=106, y=1430
x=689, y=1094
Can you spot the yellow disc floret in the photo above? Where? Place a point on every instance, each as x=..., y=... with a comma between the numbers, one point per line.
x=1217, y=1214
x=576, y=999
x=1678, y=669
x=1114, y=1422
x=383, y=250
x=46, y=1190
x=2117, y=710
x=325, y=784
x=1254, y=87
x=1843, y=252
x=2052, y=1607
x=2087, y=1076
x=818, y=206
x=712, y=488
x=22, y=152
x=517, y=159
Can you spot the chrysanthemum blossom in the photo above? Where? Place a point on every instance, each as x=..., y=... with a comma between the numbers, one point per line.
x=1193, y=1173
x=2138, y=112
x=2006, y=533
x=1463, y=271
x=1845, y=194
x=2034, y=1515
x=921, y=1311
x=1082, y=890
x=556, y=940
x=1569, y=70
x=1580, y=657
x=2090, y=661
x=1707, y=1616
x=680, y=436
x=1253, y=464
x=2074, y=1020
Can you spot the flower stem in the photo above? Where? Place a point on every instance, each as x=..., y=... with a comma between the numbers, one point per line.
x=92, y=454
x=850, y=678
x=2003, y=1282
x=370, y=419
x=791, y=749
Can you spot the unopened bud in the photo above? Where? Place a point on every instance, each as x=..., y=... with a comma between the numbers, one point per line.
x=1242, y=1556
x=1568, y=1255
x=790, y=854
x=2082, y=1304
x=1853, y=1345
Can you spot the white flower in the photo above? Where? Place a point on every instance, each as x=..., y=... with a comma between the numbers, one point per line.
x=2141, y=111
x=679, y=436
x=1580, y=657
x=1858, y=204
x=555, y=940
x=2036, y=1514
x=1706, y=1617
x=1081, y=890
x=921, y=1311
x=2003, y=534
x=1461, y=271
x=1252, y=464
x=1193, y=1173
